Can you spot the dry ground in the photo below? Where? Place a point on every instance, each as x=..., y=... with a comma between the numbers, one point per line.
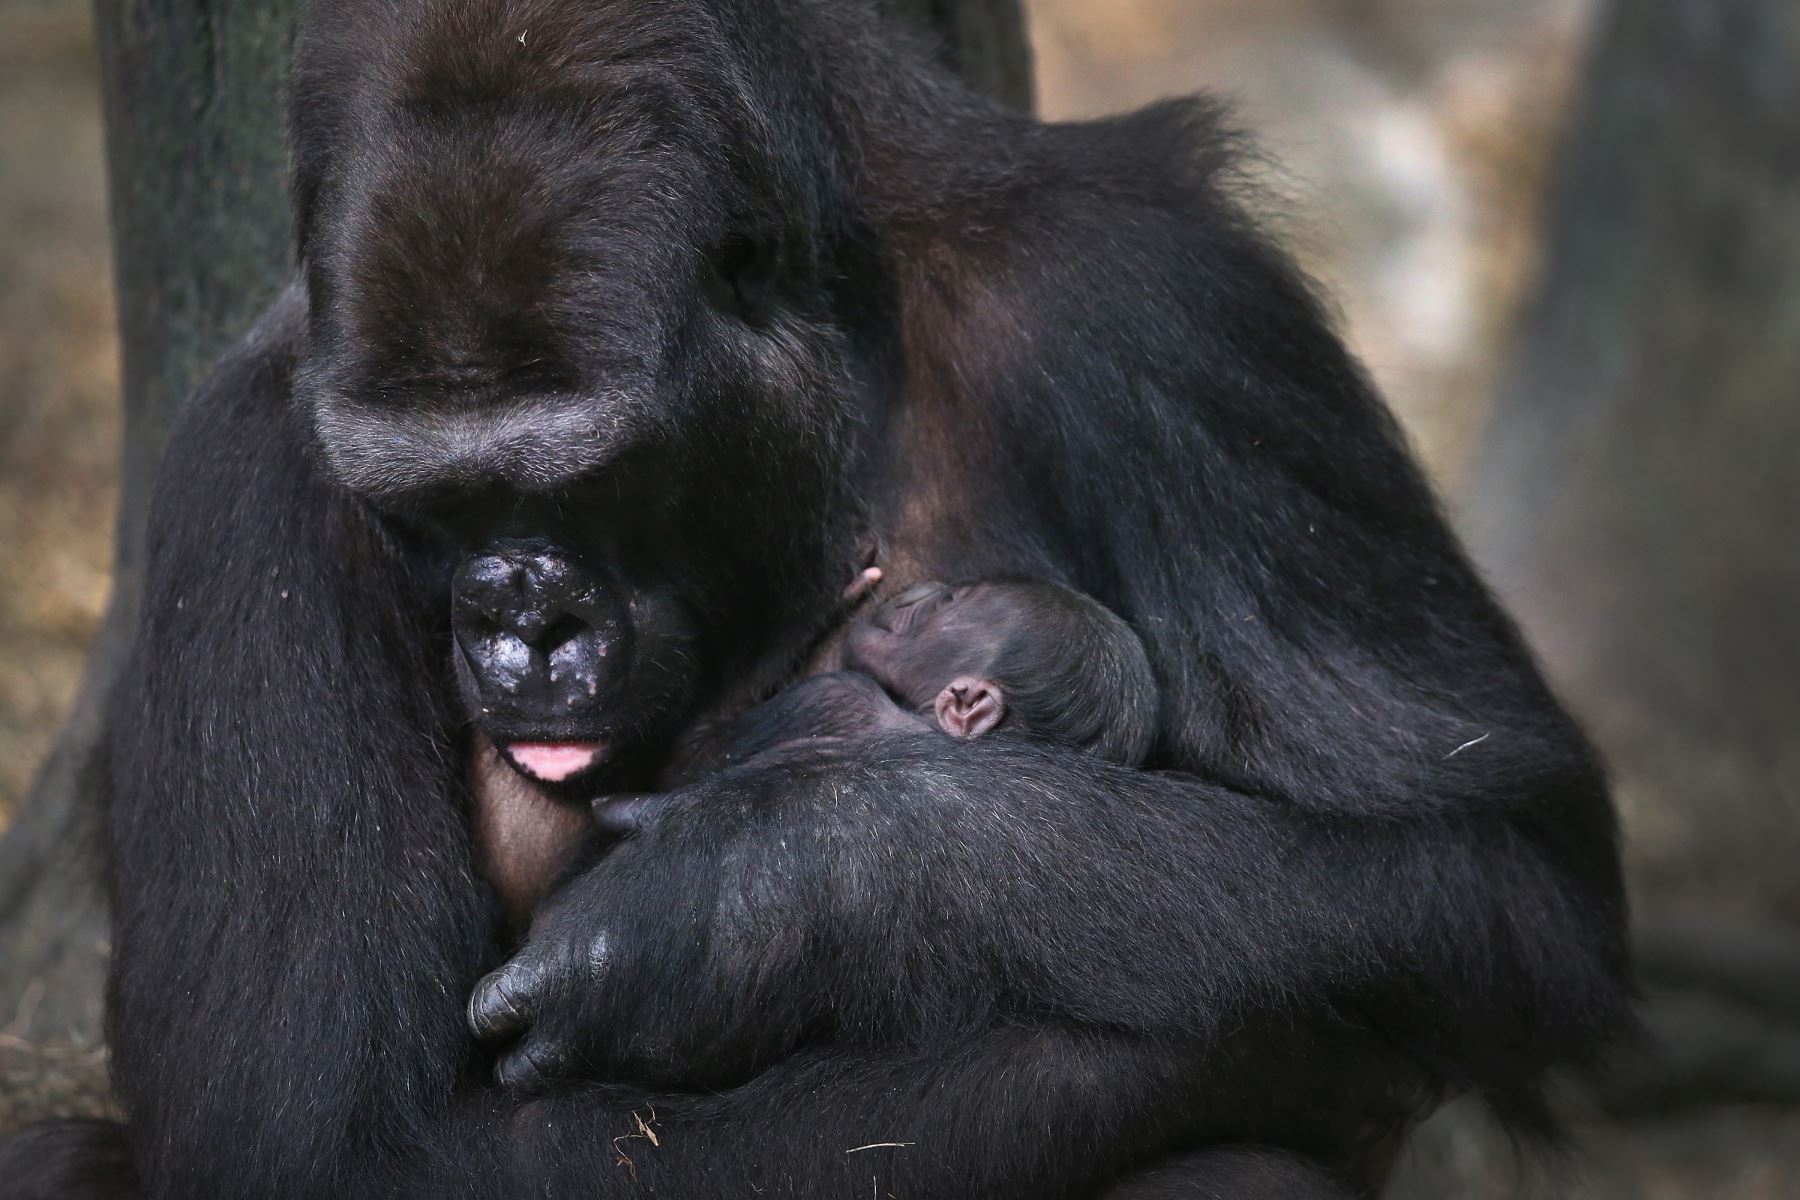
x=59, y=416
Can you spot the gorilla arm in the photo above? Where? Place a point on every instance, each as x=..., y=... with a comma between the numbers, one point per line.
x=928, y=892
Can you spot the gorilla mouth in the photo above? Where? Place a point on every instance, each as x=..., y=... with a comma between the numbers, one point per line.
x=554, y=762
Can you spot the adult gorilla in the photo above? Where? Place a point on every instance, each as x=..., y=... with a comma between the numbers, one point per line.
x=700, y=294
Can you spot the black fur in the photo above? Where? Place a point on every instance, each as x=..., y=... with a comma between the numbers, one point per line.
x=710, y=287
x=1232, y=1173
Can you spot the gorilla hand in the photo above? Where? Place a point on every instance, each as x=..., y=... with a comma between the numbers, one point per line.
x=675, y=962
x=889, y=897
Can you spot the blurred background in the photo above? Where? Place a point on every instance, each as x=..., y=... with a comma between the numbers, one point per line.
x=1565, y=237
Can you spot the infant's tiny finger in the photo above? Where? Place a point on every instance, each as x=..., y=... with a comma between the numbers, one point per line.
x=863, y=584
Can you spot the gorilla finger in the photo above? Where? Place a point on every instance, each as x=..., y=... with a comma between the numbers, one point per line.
x=501, y=1003
x=624, y=815
x=533, y=1066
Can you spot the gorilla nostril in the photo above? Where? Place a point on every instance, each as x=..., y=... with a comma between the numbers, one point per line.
x=562, y=631
x=542, y=638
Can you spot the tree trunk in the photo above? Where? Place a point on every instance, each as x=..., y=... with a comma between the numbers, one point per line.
x=195, y=110
x=197, y=164
x=1640, y=505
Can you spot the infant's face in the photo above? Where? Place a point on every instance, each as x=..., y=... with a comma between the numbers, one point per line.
x=917, y=642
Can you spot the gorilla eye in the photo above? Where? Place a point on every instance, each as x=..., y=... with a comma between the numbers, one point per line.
x=741, y=276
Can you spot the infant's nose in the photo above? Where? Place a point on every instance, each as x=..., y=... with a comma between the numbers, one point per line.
x=917, y=592
x=897, y=613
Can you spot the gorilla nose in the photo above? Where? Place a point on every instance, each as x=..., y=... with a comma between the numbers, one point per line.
x=525, y=595
x=543, y=639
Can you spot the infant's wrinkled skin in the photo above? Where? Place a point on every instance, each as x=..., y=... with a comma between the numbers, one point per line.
x=899, y=660
x=916, y=642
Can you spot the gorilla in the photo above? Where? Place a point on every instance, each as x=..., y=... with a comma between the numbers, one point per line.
x=620, y=327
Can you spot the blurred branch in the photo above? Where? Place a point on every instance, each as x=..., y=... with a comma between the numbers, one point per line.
x=1753, y=965
x=196, y=148
x=1703, y=1051
x=1722, y=1009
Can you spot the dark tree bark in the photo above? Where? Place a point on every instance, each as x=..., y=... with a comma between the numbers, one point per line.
x=196, y=149
x=1640, y=503
x=197, y=164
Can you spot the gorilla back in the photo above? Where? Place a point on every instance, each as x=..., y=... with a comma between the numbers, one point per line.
x=688, y=297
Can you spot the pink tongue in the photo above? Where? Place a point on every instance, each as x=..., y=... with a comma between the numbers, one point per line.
x=554, y=762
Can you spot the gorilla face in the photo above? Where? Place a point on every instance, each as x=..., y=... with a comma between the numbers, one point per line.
x=565, y=673
x=555, y=328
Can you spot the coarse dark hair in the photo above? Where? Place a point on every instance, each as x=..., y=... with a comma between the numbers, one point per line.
x=1076, y=672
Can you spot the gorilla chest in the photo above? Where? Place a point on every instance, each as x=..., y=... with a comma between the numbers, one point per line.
x=523, y=838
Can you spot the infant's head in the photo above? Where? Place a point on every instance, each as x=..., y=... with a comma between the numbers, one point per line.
x=1022, y=655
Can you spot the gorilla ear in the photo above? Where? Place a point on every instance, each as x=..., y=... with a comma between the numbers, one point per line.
x=969, y=707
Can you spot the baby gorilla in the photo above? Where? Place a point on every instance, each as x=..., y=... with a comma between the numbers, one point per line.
x=1026, y=656
x=1019, y=656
